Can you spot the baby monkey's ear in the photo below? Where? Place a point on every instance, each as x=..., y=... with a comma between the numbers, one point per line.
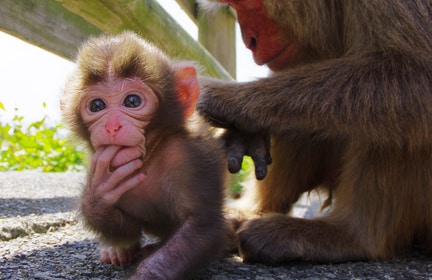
x=187, y=88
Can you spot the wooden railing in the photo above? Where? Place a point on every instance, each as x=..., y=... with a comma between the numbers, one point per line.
x=60, y=26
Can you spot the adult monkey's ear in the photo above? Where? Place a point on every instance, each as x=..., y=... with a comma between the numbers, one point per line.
x=187, y=88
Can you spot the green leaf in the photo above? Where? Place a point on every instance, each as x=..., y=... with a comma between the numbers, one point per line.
x=37, y=146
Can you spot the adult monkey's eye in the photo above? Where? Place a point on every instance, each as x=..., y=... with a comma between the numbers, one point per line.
x=132, y=101
x=96, y=105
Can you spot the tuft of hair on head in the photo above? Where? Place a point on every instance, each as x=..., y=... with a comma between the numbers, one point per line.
x=122, y=55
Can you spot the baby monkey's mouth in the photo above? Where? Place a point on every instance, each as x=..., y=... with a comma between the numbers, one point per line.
x=126, y=155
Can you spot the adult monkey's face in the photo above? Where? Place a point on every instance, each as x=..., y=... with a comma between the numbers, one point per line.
x=269, y=43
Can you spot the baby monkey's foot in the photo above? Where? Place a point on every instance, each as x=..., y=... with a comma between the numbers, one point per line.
x=119, y=256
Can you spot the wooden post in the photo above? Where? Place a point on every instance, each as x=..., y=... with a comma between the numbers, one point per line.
x=217, y=35
x=216, y=32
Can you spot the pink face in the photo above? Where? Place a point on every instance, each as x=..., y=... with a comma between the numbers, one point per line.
x=117, y=112
x=267, y=41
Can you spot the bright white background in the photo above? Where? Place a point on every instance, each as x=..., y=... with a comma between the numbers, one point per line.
x=30, y=76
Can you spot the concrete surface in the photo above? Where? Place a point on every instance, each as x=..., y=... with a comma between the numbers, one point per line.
x=41, y=238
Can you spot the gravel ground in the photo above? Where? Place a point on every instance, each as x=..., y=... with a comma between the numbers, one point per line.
x=41, y=238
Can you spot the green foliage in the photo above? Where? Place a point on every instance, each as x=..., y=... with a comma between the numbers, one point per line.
x=238, y=179
x=37, y=146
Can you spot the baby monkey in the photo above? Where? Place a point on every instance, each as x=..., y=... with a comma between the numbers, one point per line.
x=150, y=171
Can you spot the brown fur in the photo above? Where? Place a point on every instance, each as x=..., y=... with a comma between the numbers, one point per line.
x=353, y=115
x=180, y=199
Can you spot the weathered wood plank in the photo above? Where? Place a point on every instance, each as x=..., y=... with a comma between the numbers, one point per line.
x=61, y=26
x=46, y=24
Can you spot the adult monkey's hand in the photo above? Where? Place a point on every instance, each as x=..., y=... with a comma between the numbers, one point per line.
x=257, y=146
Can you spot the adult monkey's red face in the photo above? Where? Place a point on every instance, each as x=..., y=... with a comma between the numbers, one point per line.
x=268, y=42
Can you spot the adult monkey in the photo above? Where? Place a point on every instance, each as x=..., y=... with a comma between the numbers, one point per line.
x=349, y=109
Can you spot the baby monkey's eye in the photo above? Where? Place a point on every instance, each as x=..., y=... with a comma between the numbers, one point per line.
x=96, y=105
x=132, y=101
